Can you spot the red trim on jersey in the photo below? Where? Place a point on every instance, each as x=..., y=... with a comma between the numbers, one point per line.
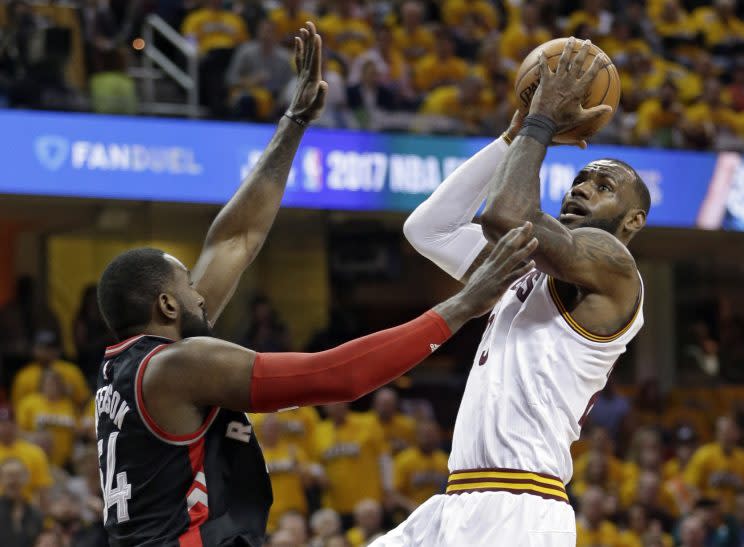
x=199, y=512
x=114, y=350
x=150, y=422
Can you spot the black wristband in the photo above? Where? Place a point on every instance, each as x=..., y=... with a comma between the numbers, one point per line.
x=296, y=119
x=541, y=128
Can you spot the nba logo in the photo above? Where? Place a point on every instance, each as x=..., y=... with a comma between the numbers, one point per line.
x=312, y=169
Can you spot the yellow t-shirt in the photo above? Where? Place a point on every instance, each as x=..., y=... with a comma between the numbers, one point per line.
x=28, y=381
x=350, y=455
x=516, y=42
x=298, y=426
x=454, y=12
x=701, y=112
x=708, y=464
x=347, y=37
x=214, y=29
x=413, y=45
x=400, y=431
x=445, y=101
x=286, y=25
x=431, y=71
x=628, y=538
x=665, y=499
x=35, y=461
x=616, y=468
x=652, y=117
x=284, y=463
x=715, y=30
x=605, y=535
x=581, y=17
x=648, y=82
x=37, y=413
x=419, y=476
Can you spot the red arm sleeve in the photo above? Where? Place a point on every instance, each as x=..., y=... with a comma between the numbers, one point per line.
x=344, y=373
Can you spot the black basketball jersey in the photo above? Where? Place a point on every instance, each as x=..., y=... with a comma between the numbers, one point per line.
x=208, y=489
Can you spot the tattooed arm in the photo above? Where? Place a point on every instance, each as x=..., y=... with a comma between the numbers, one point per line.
x=586, y=257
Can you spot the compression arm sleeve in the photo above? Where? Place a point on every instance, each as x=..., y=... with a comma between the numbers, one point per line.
x=441, y=228
x=344, y=373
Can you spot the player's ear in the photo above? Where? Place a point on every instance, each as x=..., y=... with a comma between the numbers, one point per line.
x=168, y=306
x=635, y=220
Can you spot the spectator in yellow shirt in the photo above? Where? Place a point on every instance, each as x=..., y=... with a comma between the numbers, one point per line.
x=642, y=529
x=593, y=15
x=33, y=457
x=399, y=429
x=454, y=13
x=468, y=103
x=212, y=27
x=591, y=527
x=288, y=19
x=524, y=35
x=716, y=470
x=352, y=450
x=412, y=38
x=420, y=471
x=600, y=441
x=297, y=426
x=53, y=412
x=720, y=26
x=595, y=473
x=710, y=119
x=367, y=523
x=46, y=353
x=648, y=490
x=24, y=522
x=641, y=78
x=673, y=469
x=288, y=468
x=659, y=119
x=344, y=33
x=677, y=30
x=441, y=67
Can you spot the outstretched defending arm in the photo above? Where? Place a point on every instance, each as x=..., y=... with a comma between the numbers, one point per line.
x=215, y=372
x=587, y=257
x=442, y=227
x=237, y=234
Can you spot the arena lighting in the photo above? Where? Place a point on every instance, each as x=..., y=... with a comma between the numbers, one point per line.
x=138, y=44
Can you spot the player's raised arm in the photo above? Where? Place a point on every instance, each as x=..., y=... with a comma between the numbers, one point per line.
x=238, y=232
x=442, y=227
x=215, y=372
x=584, y=256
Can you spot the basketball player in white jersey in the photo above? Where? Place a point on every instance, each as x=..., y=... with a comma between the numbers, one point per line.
x=551, y=341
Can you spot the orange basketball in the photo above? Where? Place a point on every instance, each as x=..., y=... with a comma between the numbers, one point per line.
x=605, y=88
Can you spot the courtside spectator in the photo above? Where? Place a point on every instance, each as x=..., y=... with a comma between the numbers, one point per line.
x=33, y=457
x=325, y=524
x=53, y=412
x=367, y=523
x=716, y=470
x=591, y=527
x=288, y=467
x=259, y=71
x=356, y=459
x=212, y=27
x=420, y=471
x=399, y=429
x=20, y=522
x=47, y=352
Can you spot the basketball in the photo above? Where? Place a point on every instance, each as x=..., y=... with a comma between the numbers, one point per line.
x=605, y=88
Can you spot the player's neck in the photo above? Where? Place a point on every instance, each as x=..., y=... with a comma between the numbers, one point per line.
x=163, y=331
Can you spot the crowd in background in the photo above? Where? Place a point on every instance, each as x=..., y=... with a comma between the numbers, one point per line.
x=428, y=66
x=652, y=468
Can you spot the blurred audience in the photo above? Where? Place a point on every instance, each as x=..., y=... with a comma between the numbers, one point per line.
x=399, y=429
x=20, y=522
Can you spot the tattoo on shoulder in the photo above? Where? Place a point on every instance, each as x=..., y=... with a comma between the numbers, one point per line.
x=604, y=248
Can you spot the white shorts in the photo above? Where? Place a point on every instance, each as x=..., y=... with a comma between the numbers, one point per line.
x=491, y=519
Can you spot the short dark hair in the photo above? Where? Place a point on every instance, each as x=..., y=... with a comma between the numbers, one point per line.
x=128, y=287
x=640, y=188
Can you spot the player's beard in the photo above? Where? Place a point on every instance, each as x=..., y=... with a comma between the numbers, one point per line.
x=610, y=225
x=194, y=325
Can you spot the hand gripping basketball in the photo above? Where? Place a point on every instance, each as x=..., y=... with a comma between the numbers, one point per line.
x=561, y=93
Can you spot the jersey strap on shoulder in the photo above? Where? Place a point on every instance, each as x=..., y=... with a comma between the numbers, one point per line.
x=581, y=330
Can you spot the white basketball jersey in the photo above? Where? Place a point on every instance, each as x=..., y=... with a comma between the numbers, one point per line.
x=534, y=378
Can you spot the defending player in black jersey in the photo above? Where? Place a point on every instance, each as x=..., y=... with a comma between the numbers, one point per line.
x=179, y=463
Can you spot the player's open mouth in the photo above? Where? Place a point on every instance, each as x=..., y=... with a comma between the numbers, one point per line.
x=572, y=209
